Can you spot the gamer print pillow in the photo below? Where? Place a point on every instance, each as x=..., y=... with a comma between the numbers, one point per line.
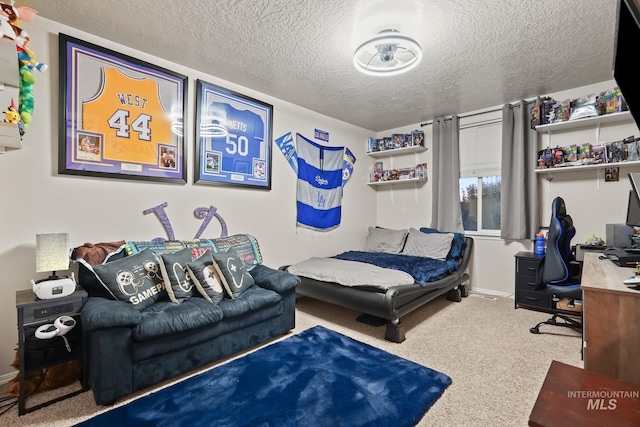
x=135, y=279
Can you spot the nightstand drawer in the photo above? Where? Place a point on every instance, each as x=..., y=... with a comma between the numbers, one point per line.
x=527, y=266
x=525, y=283
x=533, y=299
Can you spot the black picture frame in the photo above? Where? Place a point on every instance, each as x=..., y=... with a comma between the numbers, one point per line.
x=233, y=138
x=119, y=117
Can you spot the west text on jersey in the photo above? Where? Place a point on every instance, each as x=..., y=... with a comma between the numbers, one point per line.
x=131, y=99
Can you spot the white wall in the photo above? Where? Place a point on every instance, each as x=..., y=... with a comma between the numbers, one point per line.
x=592, y=203
x=35, y=199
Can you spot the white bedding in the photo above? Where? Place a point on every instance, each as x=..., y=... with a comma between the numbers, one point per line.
x=350, y=273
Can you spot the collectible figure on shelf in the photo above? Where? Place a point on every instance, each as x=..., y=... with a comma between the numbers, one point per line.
x=421, y=171
x=417, y=137
x=398, y=140
x=11, y=115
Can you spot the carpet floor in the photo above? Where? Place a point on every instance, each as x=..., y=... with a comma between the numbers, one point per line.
x=497, y=366
x=317, y=377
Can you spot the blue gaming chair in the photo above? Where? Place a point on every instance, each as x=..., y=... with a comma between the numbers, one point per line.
x=558, y=272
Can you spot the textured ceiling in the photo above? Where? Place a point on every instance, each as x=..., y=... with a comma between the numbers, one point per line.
x=477, y=54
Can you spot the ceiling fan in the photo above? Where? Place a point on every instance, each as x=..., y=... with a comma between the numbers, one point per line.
x=388, y=53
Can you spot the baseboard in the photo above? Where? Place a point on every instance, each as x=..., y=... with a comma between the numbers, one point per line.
x=491, y=292
x=6, y=378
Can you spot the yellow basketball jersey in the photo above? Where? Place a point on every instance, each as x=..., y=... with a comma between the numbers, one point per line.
x=129, y=113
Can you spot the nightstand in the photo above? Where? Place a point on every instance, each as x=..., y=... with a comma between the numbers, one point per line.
x=36, y=354
x=525, y=281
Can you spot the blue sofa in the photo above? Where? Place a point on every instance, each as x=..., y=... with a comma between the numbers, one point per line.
x=128, y=348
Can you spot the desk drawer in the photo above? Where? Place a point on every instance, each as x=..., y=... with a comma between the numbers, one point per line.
x=533, y=299
x=527, y=266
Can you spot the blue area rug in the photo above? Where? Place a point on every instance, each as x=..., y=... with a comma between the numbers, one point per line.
x=316, y=378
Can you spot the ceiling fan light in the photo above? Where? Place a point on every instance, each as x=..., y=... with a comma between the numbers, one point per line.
x=387, y=54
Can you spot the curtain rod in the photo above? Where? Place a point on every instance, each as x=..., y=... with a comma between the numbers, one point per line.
x=462, y=116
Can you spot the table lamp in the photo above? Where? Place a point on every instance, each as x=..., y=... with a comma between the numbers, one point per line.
x=52, y=254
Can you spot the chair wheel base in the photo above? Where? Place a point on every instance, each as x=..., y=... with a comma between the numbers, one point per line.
x=534, y=330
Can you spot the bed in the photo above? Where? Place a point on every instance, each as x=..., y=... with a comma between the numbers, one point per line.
x=391, y=276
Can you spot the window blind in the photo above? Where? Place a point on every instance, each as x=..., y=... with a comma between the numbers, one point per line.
x=480, y=150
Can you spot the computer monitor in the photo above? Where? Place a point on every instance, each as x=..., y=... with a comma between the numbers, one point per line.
x=633, y=210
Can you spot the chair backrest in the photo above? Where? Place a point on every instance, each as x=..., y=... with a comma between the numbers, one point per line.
x=558, y=257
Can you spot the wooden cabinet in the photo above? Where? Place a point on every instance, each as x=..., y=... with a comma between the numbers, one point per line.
x=611, y=320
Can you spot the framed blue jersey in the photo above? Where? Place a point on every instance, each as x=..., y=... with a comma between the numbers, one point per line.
x=233, y=138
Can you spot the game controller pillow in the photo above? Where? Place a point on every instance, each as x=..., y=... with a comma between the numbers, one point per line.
x=176, y=280
x=235, y=277
x=135, y=279
x=205, y=278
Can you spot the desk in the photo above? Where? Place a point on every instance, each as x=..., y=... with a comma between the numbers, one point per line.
x=611, y=320
x=566, y=399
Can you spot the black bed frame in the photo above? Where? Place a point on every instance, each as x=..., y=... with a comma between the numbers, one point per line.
x=396, y=301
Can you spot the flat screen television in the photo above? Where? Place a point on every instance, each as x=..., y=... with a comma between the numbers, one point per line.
x=626, y=56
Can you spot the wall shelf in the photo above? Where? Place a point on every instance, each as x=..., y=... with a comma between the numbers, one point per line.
x=9, y=94
x=624, y=116
x=399, y=181
x=397, y=151
x=587, y=167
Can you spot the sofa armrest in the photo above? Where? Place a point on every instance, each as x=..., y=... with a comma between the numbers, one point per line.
x=275, y=280
x=99, y=313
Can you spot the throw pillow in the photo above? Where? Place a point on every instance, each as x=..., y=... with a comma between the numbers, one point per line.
x=176, y=281
x=385, y=240
x=205, y=278
x=235, y=277
x=87, y=278
x=457, y=246
x=135, y=279
x=434, y=245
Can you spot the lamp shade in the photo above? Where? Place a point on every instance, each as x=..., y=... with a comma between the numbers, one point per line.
x=52, y=252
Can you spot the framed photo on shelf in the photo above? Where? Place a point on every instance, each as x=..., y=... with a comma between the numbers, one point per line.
x=233, y=138
x=120, y=117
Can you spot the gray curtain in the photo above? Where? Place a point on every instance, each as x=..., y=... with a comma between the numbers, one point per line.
x=445, y=211
x=519, y=207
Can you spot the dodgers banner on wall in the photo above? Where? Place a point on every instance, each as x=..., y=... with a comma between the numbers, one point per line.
x=233, y=143
x=120, y=117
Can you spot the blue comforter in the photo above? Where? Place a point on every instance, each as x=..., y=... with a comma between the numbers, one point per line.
x=422, y=269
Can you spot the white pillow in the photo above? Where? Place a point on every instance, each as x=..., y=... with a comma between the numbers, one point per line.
x=385, y=240
x=431, y=245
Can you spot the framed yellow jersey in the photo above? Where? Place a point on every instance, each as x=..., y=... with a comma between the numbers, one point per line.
x=120, y=117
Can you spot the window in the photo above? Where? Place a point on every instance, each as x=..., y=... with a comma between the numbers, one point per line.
x=480, y=177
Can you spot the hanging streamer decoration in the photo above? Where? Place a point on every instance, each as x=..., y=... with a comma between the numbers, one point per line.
x=347, y=166
x=288, y=149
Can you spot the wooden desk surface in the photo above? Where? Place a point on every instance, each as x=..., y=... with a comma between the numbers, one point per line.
x=603, y=275
x=572, y=396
